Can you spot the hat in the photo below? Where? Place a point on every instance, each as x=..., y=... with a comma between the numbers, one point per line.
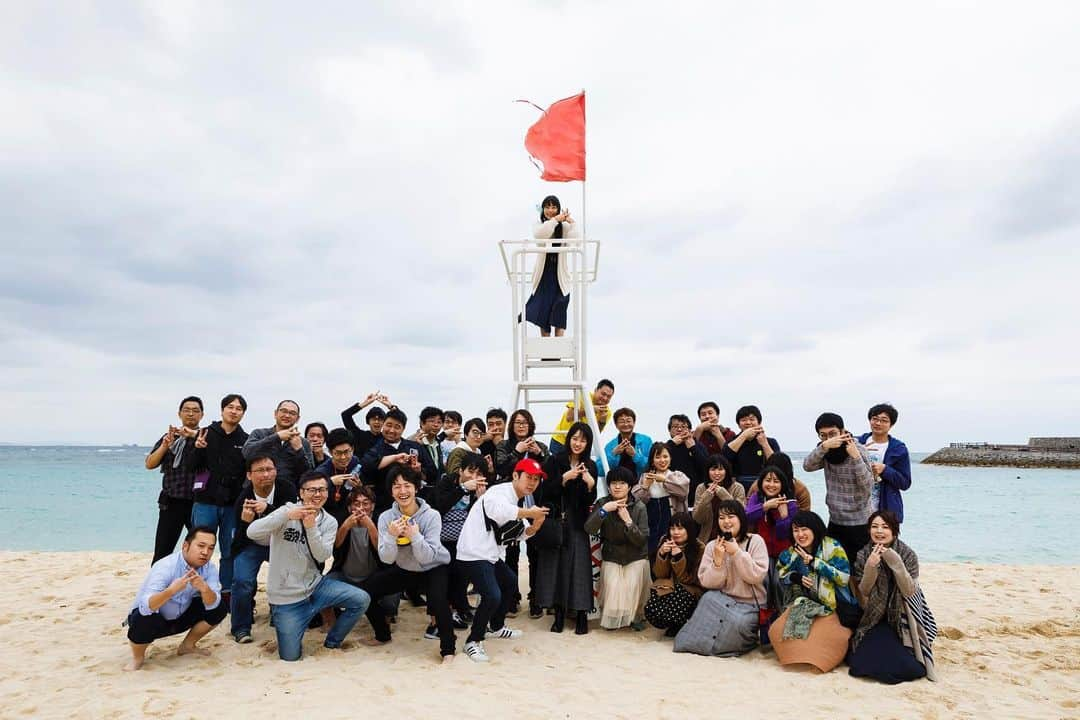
x=530, y=466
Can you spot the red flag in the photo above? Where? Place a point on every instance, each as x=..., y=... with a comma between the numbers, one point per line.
x=557, y=140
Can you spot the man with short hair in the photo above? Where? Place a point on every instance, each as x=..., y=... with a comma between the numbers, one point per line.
x=431, y=423
x=495, y=431
x=364, y=440
x=343, y=468
x=687, y=455
x=600, y=399
x=180, y=593
x=172, y=454
x=315, y=433
x=848, y=479
x=283, y=442
x=393, y=449
x=482, y=557
x=888, y=459
x=301, y=538
x=409, y=543
x=451, y=433
x=750, y=450
x=261, y=495
x=628, y=449
x=711, y=432
x=218, y=460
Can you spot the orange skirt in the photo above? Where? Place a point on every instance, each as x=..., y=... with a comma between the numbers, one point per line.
x=824, y=648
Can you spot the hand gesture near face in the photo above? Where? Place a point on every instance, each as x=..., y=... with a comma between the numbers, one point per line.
x=200, y=439
x=875, y=556
x=806, y=557
x=182, y=582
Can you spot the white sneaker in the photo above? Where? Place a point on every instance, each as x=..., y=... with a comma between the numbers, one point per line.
x=475, y=651
x=504, y=632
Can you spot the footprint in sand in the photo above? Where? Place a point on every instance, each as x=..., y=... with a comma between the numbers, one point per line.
x=952, y=633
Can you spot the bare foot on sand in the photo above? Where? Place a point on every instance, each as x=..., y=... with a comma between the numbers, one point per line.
x=372, y=642
x=192, y=650
x=447, y=659
x=134, y=665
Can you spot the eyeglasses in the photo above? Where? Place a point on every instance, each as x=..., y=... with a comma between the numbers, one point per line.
x=829, y=434
x=475, y=432
x=315, y=491
x=286, y=411
x=342, y=453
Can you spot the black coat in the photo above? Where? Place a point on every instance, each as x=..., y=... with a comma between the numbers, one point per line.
x=223, y=456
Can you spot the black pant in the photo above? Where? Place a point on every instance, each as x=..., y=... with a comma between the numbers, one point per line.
x=174, y=515
x=394, y=580
x=145, y=629
x=513, y=558
x=852, y=538
x=458, y=583
x=496, y=583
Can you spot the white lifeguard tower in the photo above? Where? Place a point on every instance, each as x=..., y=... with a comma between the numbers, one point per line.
x=552, y=356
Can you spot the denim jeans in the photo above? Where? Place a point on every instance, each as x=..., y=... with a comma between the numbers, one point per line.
x=496, y=583
x=223, y=521
x=290, y=621
x=245, y=572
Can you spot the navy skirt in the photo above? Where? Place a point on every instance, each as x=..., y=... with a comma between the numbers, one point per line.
x=882, y=656
x=547, y=306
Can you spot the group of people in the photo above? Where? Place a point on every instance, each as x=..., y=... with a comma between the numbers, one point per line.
x=707, y=535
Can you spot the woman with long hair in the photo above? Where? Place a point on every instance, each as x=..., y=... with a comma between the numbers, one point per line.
x=814, y=575
x=721, y=486
x=732, y=572
x=564, y=575
x=676, y=590
x=893, y=641
x=546, y=307
x=663, y=491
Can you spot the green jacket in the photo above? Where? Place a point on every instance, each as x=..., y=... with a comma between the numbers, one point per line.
x=620, y=543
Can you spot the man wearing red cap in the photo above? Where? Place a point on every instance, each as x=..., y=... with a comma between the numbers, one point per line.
x=494, y=520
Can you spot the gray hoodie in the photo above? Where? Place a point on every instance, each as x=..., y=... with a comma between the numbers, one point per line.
x=426, y=549
x=297, y=553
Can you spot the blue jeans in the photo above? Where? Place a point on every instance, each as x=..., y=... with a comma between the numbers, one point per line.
x=497, y=584
x=223, y=521
x=290, y=621
x=246, y=569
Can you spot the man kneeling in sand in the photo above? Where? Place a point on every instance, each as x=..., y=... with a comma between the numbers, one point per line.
x=301, y=537
x=182, y=592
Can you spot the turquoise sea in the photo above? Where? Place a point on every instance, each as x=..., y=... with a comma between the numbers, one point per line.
x=102, y=498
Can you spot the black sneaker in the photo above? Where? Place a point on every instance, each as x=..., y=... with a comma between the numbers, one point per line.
x=460, y=623
x=535, y=610
x=432, y=632
x=466, y=615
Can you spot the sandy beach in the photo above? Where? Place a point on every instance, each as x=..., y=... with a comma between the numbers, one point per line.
x=1009, y=648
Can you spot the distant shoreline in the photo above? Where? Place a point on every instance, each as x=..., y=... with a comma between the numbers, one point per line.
x=1055, y=453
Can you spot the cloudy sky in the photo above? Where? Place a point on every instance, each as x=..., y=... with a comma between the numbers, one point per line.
x=803, y=206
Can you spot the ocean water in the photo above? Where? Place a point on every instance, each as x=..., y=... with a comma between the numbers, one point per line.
x=102, y=498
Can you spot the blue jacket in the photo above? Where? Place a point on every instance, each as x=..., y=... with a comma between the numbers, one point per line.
x=895, y=478
x=642, y=444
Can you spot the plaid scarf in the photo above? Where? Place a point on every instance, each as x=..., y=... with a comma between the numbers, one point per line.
x=910, y=618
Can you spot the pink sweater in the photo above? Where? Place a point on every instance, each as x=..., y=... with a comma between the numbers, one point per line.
x=740, y=576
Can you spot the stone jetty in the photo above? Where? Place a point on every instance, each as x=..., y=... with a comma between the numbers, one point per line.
x=1046, y=452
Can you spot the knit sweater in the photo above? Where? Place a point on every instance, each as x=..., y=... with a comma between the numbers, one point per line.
x=740, y=576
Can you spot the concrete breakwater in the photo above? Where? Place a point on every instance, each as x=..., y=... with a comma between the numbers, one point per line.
x=1059, y=452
